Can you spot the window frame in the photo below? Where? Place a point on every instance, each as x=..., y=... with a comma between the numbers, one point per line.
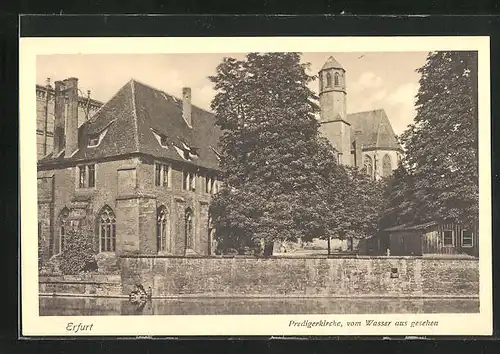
x=329, y=79
x=189, y=180
x=452, y=238
x=336, y=79
x=162, y=180
x=163, y=230
x=471, y=239
x=93, y=140
x=368, y=167
x=386, y=169
x=86, y=174
x=112, y=231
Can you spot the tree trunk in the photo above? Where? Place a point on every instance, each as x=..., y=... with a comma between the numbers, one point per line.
x=329, y=249
x=268, y=249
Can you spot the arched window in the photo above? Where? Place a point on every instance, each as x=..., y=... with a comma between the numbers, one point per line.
x=188, y=227
x=107, y=230
x=368, y=165
x=336, y=79
x=162, y=229
x=328, y=80
x=386, y=165
x=63, y=229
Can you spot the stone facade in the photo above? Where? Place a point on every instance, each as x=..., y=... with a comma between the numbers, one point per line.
x=307, y=277
x=88, y=181
x=363, y=139
x=135, y=207
x=45, y=107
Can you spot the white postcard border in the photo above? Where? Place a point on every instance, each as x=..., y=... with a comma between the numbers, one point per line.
x=267, y=325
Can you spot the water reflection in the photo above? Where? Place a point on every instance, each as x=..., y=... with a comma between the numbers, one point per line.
x=70, y=306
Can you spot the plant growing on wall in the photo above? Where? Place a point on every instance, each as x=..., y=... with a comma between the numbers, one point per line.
x=78, y=250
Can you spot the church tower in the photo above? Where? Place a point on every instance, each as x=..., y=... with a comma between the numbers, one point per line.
x=333, y=104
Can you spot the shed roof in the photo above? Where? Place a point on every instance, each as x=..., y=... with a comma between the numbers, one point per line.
x=406, y=227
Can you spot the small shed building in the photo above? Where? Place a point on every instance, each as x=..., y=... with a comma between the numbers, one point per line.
x=423, y=239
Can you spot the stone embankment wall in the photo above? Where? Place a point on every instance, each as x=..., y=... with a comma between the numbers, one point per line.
x=411, y=277
x=83, y=285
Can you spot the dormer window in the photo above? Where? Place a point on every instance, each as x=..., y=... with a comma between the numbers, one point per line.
x=161, y=138
x=93, y=140
x=96, y=138
x=186, y=152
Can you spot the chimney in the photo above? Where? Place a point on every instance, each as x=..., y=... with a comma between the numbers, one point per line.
x=357, y=151
x=186, y=105
x=71, y=133
x=59, y=119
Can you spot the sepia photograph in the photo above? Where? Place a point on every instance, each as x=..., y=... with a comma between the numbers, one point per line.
x=321, y=184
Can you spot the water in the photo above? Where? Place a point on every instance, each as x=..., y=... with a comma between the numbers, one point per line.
x=71, y=306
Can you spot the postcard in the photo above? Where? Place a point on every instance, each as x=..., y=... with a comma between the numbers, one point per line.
x=272, y=186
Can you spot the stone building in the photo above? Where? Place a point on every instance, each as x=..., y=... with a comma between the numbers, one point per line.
x=45, y=108
x=141, y=172
x=364, y=139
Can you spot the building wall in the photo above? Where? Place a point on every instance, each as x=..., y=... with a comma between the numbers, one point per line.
x=405, y=244
x=45, y=118
x=370, y=276
x=378, y=155
x=432, y=241
x=128, y=187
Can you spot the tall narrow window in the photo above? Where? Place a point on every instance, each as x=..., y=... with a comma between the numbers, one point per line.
x=328, y=80
x=63, y=229
x=188, y=231
x=162, y=229
x=162, y=172
x=336, y=79
x=448, y=238
x=193, y=181
x=91, y=169
x=107, y=230
x=86, y=176
x=386, y=165
x=368, y=165
x=83, y=176
x=208, y=184
x=157, y=174
x=467, y=238
x=185, y=180
x=189, y=181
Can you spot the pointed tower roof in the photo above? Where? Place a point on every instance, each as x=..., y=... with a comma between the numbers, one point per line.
x=331, y=63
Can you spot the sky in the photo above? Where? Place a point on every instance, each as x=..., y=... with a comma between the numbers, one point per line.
x=374, y=80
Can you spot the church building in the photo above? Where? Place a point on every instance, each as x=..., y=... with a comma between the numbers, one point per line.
x=364, y=139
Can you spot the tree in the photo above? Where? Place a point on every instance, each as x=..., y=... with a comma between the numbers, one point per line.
x=399, y=198
x=355, y=204
x=275, y=167
x=441, y=144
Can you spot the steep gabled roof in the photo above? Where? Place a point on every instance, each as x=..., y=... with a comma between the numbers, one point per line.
x=130, y=120
x=375, y=130
x=331, y=63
